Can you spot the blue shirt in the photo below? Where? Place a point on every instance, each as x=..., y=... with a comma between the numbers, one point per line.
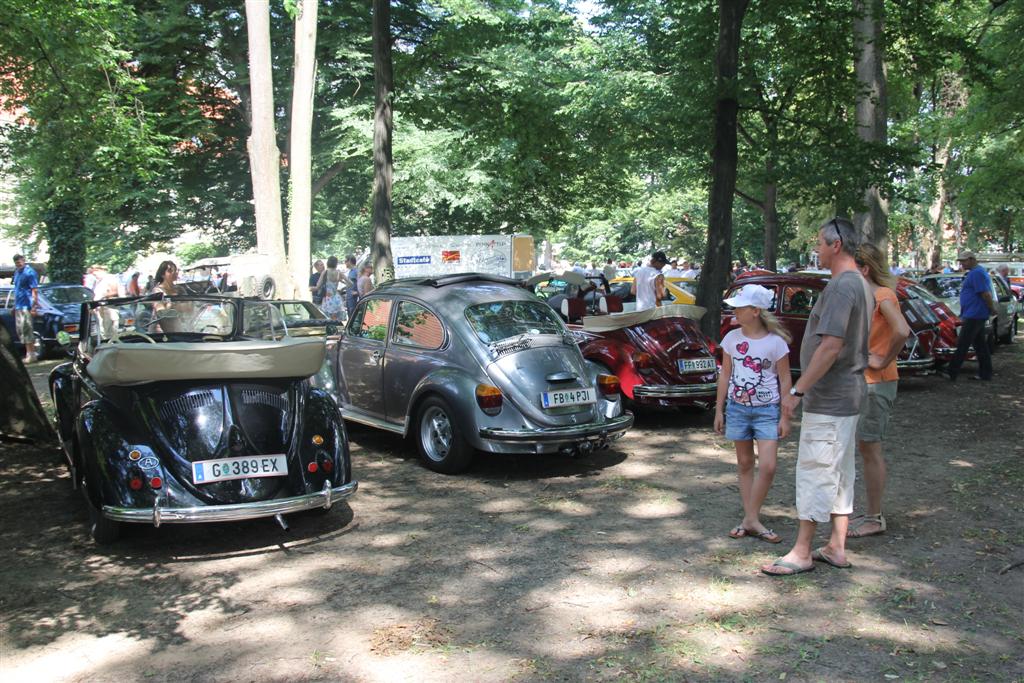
x=976, y=283
x=25, y=280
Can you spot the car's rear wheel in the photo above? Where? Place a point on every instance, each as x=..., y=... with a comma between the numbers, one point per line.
x=439, y=440
x=102, y=530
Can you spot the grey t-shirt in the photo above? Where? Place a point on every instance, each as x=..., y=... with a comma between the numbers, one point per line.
x=842, y=310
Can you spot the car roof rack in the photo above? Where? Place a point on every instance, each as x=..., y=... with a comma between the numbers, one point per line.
x=446, y=280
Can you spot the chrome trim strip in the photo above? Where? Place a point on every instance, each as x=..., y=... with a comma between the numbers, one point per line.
x=157, y=515
x=356, y=415
x=916, y=364
x=674, y=390
x=612, y=429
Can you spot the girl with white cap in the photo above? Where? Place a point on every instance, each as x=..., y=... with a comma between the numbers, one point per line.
x=754, y=377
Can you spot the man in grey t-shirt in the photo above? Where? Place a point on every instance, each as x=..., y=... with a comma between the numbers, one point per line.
x=833, y=355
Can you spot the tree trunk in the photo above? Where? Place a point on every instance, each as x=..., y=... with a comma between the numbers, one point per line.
x=65, y=234
x=301, y=160
x=264, y=156
x=718, y=253
x=872, y=110
x=937, y=210
x=380, y=250
x=770, y=213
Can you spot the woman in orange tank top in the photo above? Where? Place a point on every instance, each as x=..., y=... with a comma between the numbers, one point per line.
x=889, y=331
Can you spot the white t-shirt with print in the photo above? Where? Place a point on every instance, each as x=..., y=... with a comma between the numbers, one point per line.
x=755, y=378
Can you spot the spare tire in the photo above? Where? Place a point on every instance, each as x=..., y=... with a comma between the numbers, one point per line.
x=267, y=288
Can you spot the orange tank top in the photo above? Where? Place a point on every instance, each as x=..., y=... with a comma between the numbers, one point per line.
x=880, y=338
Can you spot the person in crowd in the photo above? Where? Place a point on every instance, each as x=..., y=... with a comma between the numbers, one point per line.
x=889, y=331
x=315, y=291
x=133, y=288
x=1003, y=271
x=673, y=269
x=351, y=292
x=332, y=279
x=365, y=282
x=89, y=279
x=609, y=271
x=833, y=355
x=26, y=303
x=649, y=283
x=108, y=286
x=166, y=275
x=948, y=268
x=976, y=307
x=755, y=375
x=690, y=270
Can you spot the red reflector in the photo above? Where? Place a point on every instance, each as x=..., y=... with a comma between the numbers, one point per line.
x=328, y=465
x=608, y=385
x=135, y=483
x=312, y=467
x=488, y=398
x=155, y=482
x=642, y=359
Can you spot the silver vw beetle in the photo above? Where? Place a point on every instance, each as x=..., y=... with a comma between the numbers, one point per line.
x=472, y=362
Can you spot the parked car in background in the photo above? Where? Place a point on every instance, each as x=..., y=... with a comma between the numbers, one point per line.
x=678, y=290
x=59, y=310
x=794, y=297
x=660, y=356
x=241, y=274
x=196, y=411
x=1003, y=325
x=471, y=362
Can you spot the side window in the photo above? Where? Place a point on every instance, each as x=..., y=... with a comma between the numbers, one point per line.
x=370, y=321
x=416, y=326
x=736, y=290
x=1001, y=291
x=797, y=300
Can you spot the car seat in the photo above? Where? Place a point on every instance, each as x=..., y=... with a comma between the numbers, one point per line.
x=610, y=304
x=573, y=309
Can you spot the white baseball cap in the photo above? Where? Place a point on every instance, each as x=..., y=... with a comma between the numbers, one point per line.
x=751, y=295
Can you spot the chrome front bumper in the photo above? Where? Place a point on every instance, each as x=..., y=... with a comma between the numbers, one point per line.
x=604, y=431
x=641, y=391
x=235, y=512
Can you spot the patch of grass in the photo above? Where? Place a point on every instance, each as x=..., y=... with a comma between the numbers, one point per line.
x=901, y=598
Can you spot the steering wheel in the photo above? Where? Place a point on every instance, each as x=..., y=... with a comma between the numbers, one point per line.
x=131, y=333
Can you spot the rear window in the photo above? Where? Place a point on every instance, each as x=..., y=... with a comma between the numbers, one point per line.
x=503, y=319
x=943, y=287
x=68, y=295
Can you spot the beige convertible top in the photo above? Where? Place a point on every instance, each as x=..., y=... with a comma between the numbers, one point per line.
x=616, y=321
x=141, y=363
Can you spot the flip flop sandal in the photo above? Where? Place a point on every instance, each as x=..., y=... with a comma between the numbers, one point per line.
x=768, y=536
x=738, y=532
x=796, y=569
x=820, y=556
x=855, y=529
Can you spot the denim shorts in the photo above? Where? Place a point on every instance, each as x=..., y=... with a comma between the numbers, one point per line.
x=745, y=423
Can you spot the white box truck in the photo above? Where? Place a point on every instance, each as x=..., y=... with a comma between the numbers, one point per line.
x=431, y=256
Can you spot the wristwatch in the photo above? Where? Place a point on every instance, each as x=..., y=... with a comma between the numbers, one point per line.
x=794, y=392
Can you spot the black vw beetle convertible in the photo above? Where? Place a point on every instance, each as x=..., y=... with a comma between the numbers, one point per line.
x=196, y=409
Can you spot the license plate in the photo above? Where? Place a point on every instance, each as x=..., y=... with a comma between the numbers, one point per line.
x=696, y=365
x=209, y=471
x=568, y=397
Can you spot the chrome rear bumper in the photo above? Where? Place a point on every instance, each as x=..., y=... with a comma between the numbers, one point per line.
x=641, y=391
x=235, y=512
x=916, y=364
x=602, y=431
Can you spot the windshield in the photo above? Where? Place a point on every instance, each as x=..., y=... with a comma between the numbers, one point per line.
x=943, y=287
x=164, y=320
x=504, y=319
x=68, y=295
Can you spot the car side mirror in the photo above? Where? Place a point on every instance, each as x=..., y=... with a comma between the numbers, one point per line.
x=64, y=339
x=332, y=329
x=1004, y=299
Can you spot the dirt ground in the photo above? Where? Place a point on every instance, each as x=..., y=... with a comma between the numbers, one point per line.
x=616, y=566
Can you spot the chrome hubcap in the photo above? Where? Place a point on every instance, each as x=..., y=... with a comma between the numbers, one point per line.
x=436, y=433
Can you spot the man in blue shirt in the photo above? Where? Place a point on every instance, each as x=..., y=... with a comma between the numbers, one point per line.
x=26, y=302
x=976, y=307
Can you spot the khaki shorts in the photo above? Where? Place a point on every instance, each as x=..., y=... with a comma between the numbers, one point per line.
x=825, y=466
x=874, y=414
x=23, y=324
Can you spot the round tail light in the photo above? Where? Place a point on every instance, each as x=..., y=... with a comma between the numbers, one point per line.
x=312, y=467
x=643, y=360
x=156, y=482
x=608, y=385
x=489, y=398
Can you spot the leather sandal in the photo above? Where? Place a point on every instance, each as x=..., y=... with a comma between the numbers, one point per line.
x=856, y=529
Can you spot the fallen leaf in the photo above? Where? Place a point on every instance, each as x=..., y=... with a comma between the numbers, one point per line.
x=939, y=622
x=939, y=665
